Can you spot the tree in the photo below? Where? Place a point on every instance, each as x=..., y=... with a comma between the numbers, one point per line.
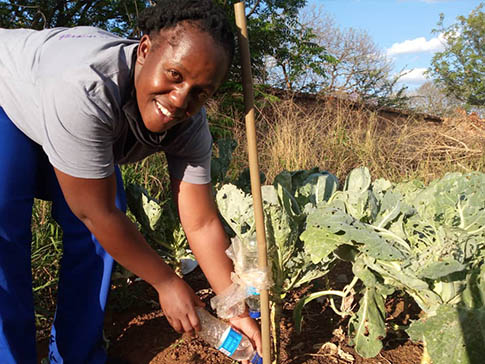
x=274, y=32
x=358, y=68
x=460, y=68
x=432, y=99
x=115, y=16
x=297, y=62
x=270, y=22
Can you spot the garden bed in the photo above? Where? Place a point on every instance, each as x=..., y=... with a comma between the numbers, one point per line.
x=139, y=333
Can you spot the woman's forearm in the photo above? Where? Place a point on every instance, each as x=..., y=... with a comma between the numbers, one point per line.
x=121, y=239
x=209, y=245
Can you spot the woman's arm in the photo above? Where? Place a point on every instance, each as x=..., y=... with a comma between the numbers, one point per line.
x=93, y=202
x=204, y=230
x=208, y=241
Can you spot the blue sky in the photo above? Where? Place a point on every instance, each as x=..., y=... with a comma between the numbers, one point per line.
x=400, y=28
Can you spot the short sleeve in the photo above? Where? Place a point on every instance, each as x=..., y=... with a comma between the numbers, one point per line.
x=77, y=129
x=189, y=156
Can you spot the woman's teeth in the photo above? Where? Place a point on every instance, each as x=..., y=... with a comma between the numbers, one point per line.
x=163, y=110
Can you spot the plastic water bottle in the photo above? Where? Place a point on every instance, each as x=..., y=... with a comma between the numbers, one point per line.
x=253, y=303
x=250, y=258
x=225, y=339
x=251, y=264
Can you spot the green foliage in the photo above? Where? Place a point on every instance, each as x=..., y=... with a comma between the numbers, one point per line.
x=264, y=29
x=160, y=225
x=284, y=206
x=460, y=68
x=46, y=252
x=297, y=55
x=427, y=241
x=115, y=16
x=367, y=326
x=454, y=335
x=220, y=164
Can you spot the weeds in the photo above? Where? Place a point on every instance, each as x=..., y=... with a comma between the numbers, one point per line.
x=339, y=138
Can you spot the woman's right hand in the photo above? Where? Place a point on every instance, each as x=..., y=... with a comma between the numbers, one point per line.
x=178, y=302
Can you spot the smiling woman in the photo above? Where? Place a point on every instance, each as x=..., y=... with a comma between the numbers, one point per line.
x=176, y=71
x=75, y=103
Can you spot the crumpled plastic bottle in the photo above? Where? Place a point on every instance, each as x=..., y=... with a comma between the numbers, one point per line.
x=224, y=338
x=248, y=281
x=252, y=264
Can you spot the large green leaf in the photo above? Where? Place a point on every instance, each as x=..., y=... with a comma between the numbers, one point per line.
x=359, y=200
x=146, y=210
x=367, y=327
x=320, y=242
x=307, y=186
x=455, y=200
x=317, y=188
x=345, y=228
x=454, y=335
x=237, y=209
x=440, y=269
x=474, y=293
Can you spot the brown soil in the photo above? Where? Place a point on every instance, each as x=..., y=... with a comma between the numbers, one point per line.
x=139, y=333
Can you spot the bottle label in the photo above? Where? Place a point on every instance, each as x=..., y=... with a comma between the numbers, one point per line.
x=230, y=341
x=252, y=291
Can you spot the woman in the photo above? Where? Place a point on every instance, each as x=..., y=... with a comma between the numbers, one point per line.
x=74, y=103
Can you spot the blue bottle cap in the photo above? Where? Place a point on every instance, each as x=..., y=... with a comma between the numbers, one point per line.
x=256, y=359
x=254, y=314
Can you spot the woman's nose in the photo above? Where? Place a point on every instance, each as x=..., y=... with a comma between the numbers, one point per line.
x=180, y=97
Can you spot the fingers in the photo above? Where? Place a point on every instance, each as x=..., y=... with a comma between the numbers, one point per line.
x=185, y=325
x=251, y=329
x=187, y=322
x=258, y=341
x=178, y=305
x=194, y=321
x=176, y=325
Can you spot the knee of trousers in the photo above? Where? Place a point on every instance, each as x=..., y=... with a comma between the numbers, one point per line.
x=15, y=220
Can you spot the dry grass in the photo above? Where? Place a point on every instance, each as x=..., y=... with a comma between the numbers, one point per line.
x=338, y=138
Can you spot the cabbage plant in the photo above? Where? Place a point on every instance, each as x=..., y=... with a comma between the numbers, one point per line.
x=427, y=241
x=160, y=225
x=285, y=206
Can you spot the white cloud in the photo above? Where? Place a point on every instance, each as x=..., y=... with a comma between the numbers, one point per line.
x=414, y=76
x=417, y=45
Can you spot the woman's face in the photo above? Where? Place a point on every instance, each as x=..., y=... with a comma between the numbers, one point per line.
x=175, y=74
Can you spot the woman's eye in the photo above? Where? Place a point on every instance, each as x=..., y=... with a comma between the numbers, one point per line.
x=174, y=75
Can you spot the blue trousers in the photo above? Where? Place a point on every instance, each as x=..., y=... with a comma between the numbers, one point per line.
x=85, y=272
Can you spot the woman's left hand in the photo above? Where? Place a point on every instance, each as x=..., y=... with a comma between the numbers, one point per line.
x=250, y=328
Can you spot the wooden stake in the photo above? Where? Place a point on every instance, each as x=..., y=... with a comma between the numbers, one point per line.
x=247, y=79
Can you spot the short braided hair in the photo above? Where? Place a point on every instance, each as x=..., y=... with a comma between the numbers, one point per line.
x=204, y=14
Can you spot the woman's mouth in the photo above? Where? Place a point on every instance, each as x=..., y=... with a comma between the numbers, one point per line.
x=163, y=110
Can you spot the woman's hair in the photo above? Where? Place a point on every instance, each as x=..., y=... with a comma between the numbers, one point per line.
x=204, y=14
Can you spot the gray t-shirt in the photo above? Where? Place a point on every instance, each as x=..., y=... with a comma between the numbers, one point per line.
x=71, y=91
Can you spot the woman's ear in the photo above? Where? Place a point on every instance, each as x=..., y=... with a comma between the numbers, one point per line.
x=143, y=49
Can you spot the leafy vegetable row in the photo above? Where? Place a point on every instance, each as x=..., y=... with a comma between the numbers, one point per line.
x=426, y=241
